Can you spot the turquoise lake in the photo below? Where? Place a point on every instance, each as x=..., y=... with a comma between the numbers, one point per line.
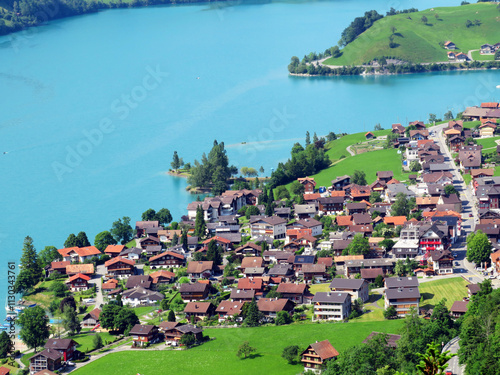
x=94, y=106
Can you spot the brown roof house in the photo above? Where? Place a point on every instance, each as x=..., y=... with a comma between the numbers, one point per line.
x=194, y=292
x=196, y=311
x=48, y=359
x=459, y=308
x=143, y=335
x=120, y=267
x=315, y=356
x=200, y=269
x=357, y=288
x=228, y=310
x=270, y=307
x=293, y=292
x=91, y=319
x=167, y=259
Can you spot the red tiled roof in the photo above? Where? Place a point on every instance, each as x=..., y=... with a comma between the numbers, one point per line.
x=79, y=276
x=344, y=221
x=395, y=220
x=217, y=239
x=171, y=253
x=246, y=283
x=81, y=251
x=114, y=249
x=307, y=179
x=119, y=259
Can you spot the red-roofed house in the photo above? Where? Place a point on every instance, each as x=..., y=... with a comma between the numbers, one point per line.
x=222, y=242
x=229, y=310
x=114, y=250
x=308, y=183
x=315, y=356
x=369, y=135
x=120, y=267
x=395, y=220
x=256, y=284
x=78, y=282
x=79, y=254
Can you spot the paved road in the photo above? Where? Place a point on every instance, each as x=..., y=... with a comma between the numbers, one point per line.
x=453, y=364
x=100, y=272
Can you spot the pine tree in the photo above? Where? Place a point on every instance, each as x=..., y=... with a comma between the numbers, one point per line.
x=176, y=162
x=253, y=315
x=171, y=316
x=70, y=321
x=199, y=224
x=308, y=139
x=29, y=260
x=71, y=241
x=82, y=240
x=184, y=240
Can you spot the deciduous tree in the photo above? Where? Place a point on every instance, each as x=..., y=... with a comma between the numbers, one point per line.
x=122, y=231
x=34, y=325
x=478, y=247
x=245, y=350
x=103, y=239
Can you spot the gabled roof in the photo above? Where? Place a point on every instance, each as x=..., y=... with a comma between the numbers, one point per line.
x=272, y=304
x=331, y=297
x=459, y=306
x=141, y=329
x=344, y=221
x=59, y=265
x=119, y=259
x=193, y=288
x=291, y=288
x=307, y=180
x=398, y=293
x=354, y=284
x=229, y=308
x=80, y=251
x=198, y=307
x=242, y=293
x=80, y=268
x=391, y=339
x=324, y=349
x=217, y=239
x=171, y=253
x=48, y=353
x=60, y=344
x=114, y=249
x=401, y=282
x=251, y=262
x=246, y=283
x=78, y=276
x=199, y=266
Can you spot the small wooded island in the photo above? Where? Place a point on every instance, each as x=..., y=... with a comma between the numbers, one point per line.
x=411, y=41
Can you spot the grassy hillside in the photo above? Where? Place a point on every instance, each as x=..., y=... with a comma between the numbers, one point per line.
x=219, y=355
x=420, y=42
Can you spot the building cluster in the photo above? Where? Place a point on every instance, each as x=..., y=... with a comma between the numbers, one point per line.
x=453, y=55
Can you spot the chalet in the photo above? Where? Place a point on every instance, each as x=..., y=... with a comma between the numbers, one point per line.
x=404, y=249
x=357, y=288
x=78, y=282
x=330, y=205
x=490, y=105
x=167, y=259
x=114, y=250
x=340, y=182
x=451, y=199
x=461, y=57
x=194, y=292
x=473, y=289
x=475, y=113
x=359, y=193
x=48, y=359
x=398, y=129
x=488, y=196
x=403, y=299
x=451, y=55
x=456, y=142
x=139, y=280
x=442, y=178
x=141, y=296
x=249, y=249
x=248, y=262
x=459, y=308
x=300, y=260
x=316, y=355
x=256, y=284
x=356, y=208
x=142, y=226
x=293, y=292
x=314, y=272
x=394, y=189
x=222, y=242
x=305, y=211
x=143, y=335
x=273, y=226
x=241, y=295
x=442, y=262
x=487, y=129
x=59, y=267
x=229, y=310
x=417, y=135
x=339, y=246
x=109, y=285
x=66, y=346
x=285, y=271
x=79, y=254
x=91, y=319
x=85, y=269
x=315, y=226
x=276, y=256
x=308, y=183
x=487, y=49
x=378, y=186
x=200, y=269
x=120, y=267
x=284, y=212
x=270, y=307
x=174, y=332
x=370, y=274
x=148, y=241
x=394, y=221
x=132, y=253
x=167, y=235
x=385, y=176
x=331, y=306
x=426, y=202
x=196, y=311
x=369, y=135
x=450, y=45
x=162, y=277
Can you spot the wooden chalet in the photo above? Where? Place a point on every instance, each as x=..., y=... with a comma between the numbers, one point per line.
x=315, y=356
x=143, y=335
x=120, y=267
x=167, y=259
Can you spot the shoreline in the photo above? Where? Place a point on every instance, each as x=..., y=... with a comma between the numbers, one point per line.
x=378, y=73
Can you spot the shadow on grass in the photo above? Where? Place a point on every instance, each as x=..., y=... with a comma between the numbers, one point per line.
x=428, y=24
x=374, y=298
x=252, y=356
x=395, y=45
x=399, y=34
x=427, y=296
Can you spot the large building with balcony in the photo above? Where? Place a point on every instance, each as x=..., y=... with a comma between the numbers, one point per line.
x=331, y=306
x=403, y=299
x=274, y=227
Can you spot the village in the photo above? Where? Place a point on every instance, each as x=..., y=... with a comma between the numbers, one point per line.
x=320, y=260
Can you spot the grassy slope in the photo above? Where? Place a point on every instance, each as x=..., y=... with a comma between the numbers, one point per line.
x=488, y=142
x=419, y=42
x=219, y=356
x=453, y=289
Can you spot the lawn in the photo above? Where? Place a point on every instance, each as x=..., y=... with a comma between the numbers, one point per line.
x=338, y=147
x=420, y=42
x=487, y=142
x=369, y=162
x=315, y=288
x=453, y=289
x=85, y=340
x=219, y=356
x=130, y=244
x=477, y=56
